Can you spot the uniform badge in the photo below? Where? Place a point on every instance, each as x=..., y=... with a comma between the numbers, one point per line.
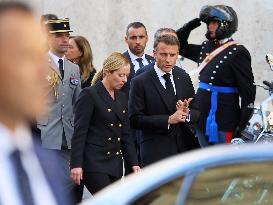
x=74, y=81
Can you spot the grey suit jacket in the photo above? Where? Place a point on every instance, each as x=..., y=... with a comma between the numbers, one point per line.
x=60, y=104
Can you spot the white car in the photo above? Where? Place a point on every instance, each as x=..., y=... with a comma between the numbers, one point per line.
x=224, y=174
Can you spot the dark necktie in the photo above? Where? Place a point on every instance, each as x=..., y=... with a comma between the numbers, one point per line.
x=61, y=67
x=169, y=85
x=139, y=60
x=22, y=179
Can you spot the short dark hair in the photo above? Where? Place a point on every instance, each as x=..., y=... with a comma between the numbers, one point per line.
x=161, y=30
x=44, y=18
x=135, y=25
x=7, y=6
x=167, y=39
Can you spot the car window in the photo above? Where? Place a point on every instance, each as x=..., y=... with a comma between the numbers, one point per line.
x=163, y=195
x=241, y=184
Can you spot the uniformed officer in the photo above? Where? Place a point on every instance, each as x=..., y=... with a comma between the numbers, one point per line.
x=63, y=89
x=225, y=74
x=102, y=135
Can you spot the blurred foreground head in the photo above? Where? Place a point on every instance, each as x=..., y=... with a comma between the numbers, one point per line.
x=22, y=64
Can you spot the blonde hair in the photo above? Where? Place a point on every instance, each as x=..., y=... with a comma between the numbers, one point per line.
x=114, y=62
x=86, y=60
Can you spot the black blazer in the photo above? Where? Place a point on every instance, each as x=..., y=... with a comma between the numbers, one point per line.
x=101, y=135
x=149, y=110
x=87, y=83
x=126, y=87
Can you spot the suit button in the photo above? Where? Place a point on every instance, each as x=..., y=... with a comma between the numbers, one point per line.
x=109, y=110
x=62, y=117
x=63, y=94
x=118, y=139
x=111, y=125
x=214, y=71
x=117, y=153
x=210, y=83
x=108, y=153
x=217, y=66
x=229, y=52
x=211, y=78
x=221, y=61
x=123, y=111
x=109, y=139
x=120, y=125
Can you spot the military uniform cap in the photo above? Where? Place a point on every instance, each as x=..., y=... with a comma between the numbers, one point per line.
x=58, y=25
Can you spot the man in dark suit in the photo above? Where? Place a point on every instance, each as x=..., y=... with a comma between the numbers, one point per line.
x=153, y=105
x=136, y=39
x=28, y=175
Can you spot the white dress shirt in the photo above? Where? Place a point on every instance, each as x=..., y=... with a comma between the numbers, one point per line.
x=133, y=58
x=55, y=59
x=9, y=192
x=162, y=80
x=160, y=74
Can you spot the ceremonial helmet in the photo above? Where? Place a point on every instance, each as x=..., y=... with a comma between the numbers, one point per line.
x=225, y=15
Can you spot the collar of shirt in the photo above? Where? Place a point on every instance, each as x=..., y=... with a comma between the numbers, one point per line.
x=133, y=58
x=160, y=74
x=55, y=58
x=19, y=139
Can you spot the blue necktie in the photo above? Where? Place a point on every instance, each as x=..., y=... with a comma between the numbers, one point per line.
x=22, y=179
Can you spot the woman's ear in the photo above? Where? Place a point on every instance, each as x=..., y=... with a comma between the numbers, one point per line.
x=106, y=72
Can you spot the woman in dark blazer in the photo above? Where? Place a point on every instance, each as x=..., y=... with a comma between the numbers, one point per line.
x=80, y=53
x=102, y=135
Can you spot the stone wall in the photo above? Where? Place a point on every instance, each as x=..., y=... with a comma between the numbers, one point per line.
x=103, y=22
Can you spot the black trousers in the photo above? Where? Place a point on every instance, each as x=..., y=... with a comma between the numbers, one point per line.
x=94, y=181
x=78, y=191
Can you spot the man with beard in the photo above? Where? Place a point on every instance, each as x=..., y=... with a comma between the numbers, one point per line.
x=63, y=89
x=225, y=74
x=136, y=39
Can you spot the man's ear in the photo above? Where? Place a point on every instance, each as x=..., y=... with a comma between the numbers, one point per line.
x=154, y=53
x=126, y=39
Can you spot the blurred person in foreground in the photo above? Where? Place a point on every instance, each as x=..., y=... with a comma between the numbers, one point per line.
x=80, y=53
x=26, y=176
x=101, y=140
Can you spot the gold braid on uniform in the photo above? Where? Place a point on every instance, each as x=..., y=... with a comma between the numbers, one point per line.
x=53, y=80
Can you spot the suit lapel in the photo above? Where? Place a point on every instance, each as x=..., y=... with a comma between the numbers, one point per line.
x=178, y=84
x=150, y=59
x=132, y=70
x=161, y=90
x=109, y=101
x=54, y=67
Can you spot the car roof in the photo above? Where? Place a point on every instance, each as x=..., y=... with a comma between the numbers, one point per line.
x=159, y=173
